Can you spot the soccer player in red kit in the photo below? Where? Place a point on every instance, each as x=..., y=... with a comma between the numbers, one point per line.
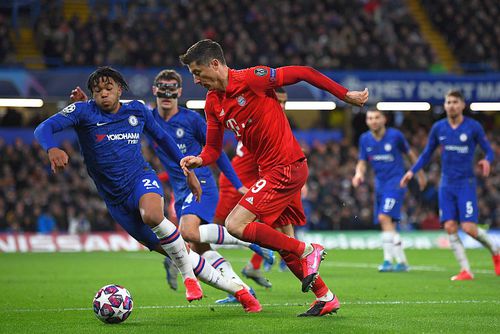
x=245, y=102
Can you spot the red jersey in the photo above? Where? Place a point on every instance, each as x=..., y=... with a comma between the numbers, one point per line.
x=250, y=109
x=245, y=167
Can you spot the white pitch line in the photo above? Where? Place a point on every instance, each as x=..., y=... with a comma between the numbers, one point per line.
x=361, y=303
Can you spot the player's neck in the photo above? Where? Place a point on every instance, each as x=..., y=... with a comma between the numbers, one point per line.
x=379, y=134
x=224, y=82
x=456, y=121
x=167, y=114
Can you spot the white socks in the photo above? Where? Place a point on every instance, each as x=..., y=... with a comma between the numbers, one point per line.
x=219, y=263
x=171, y=241
x=208, y=274
x=485, y=240
x=218, y=234
x=459, y=250
x=399, y=253
x=326, y=298
x=388, y=245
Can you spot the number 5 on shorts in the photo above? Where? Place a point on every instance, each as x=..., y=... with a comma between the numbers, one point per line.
x=258, y=186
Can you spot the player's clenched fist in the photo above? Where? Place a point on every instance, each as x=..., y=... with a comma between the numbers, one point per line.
x=58, y=159
x=406, y=178
x=357, y=180
x=357, y=98
x=190, y=162
x=77, y=95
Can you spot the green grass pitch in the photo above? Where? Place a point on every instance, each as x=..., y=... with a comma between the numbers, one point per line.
x=52, y=293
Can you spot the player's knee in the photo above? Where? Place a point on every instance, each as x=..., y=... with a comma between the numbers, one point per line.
x=233, y=227
x=451, y=227
x=470, y=229
x=152, y=218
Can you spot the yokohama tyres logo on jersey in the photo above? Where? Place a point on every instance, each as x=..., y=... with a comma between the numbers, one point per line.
x=132, y=137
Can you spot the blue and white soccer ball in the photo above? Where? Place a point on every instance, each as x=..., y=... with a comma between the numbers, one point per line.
x=113, y=304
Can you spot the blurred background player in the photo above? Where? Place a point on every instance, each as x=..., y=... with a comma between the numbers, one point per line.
x=109, y=136
x=458, y=137
x=244, y=101
x=383, y=147
x=186, y=126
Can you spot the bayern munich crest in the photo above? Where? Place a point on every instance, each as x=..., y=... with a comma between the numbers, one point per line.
x=133, y=120
x=241, y=100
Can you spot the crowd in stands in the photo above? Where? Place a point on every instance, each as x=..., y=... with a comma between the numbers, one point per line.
x=471, y=29
x=32, y=198
x=6, y=46
x=333, y=34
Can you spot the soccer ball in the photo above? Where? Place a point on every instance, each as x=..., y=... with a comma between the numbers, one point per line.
x=113, y=304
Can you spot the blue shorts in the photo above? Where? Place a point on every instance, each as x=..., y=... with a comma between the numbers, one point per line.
x=127, y=213
x=389, y=202
x=458, y=203
x=205, y=209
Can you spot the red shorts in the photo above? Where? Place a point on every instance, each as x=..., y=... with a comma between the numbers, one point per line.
x=275, y=198
x=228, y=198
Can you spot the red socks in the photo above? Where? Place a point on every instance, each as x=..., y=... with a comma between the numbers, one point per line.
x=319, y=288
x=268, y=237
x=256, y=261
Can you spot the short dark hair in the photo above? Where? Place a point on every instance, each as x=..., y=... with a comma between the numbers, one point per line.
x=280, y=90
x=455, y=93
x=105, y=72
x=169, y=75
x=202, y=53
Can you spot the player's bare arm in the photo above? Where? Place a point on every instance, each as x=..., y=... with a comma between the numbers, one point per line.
x=421, y=179
x=58, y=159
x=405, y=179
x=359, y=176
x=193, y=184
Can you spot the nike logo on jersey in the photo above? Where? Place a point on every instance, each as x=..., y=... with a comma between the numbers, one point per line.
x=221, y=113
x=101, y=124
x=442, y=137
x=249, y=200
x=368, y=149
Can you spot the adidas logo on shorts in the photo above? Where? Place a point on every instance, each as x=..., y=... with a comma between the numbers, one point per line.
x=249, y=200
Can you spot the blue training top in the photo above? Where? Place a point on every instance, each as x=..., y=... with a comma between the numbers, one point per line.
x=188, y=129
x=457, y=149
x=110, y=143
x=385, y=157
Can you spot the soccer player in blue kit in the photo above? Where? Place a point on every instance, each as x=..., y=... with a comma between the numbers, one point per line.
x=383, y=147
x=109, y=136
x=186, y=126
x=458, y=137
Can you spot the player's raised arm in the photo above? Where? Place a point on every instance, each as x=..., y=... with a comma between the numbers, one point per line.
x=44, y=134
x=294, y=74
x=167, y=143
x=423, y=159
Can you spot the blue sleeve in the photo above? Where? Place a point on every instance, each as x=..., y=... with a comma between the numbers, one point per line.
x=225, y=166
x=361, y=148
x=484, y=143
x=403, y=143
x=223, y=162
x=161, y=137
x=68, y=117
x=426, y=155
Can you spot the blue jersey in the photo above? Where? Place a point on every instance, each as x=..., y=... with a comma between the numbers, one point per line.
x=188, y=129
x=385, y=157
x=110, y=143
x=457, y=150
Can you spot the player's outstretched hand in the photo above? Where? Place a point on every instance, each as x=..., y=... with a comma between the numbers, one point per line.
x=190, y=162
x=485, y=167
x=58, y=159
x=406, y=178
x=357, y=98
x=78, y=95
x=242, y=190
x=357, y=180
x=194, y=185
